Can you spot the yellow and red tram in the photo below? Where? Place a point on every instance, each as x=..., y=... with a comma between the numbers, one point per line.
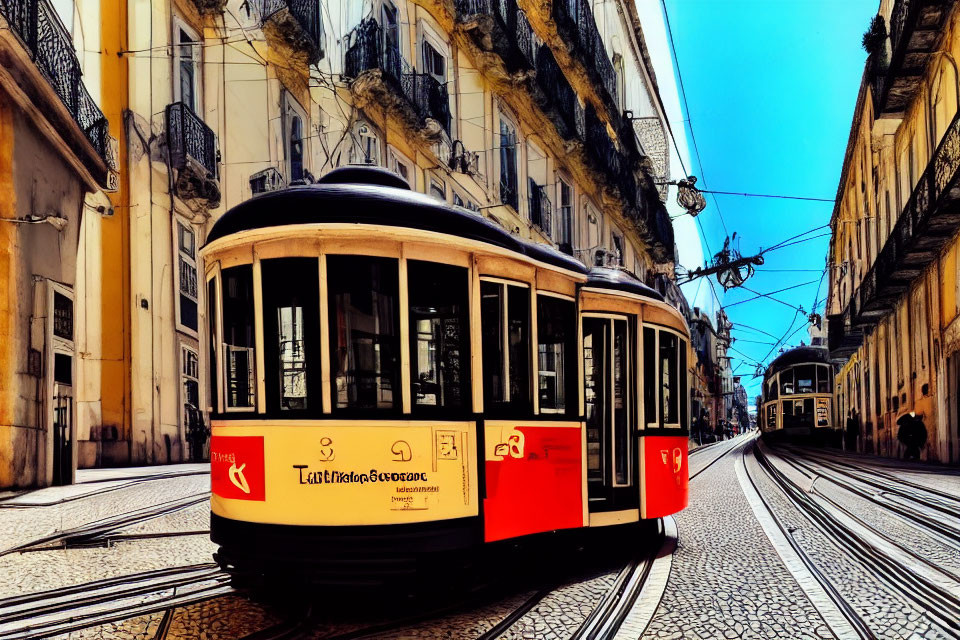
x=393, y=376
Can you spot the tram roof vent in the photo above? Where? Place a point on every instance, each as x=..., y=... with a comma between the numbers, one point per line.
x=358, y=174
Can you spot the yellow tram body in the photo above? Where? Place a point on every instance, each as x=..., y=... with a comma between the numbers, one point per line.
x=797, y=396
x=468, y=416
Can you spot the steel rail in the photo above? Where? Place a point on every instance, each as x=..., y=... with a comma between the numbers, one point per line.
x=930, y=598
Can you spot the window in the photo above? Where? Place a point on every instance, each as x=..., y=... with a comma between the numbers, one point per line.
x=187, y=272
x=238, y=337
x=823, y=379
x=556, y=349
x=366, y=148
x=786, y=382
x=505, y=329
x=291, y=340
x=665, y=394
x=186, y=66
x=464, y=202
x=595, y=386
x=805, y=378
x=617, y=241
x=212, y=395
x=434, y=63
x=438, y=189
x=564, y=228
x=439, y=336
x=400, y=166
x=190, y=379
x=508, y=163
x=772, y=416
x=364, y=332
x=295, y=141
x=773, y=390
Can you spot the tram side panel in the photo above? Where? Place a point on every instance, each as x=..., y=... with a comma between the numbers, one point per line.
x=665, y=471
x=533, y=478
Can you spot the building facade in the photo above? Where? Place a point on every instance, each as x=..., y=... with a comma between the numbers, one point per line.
x=893, y=310
x=56, y=161
x=543, y=117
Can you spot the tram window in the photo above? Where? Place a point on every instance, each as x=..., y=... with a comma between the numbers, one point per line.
x=806, y=378
x=773, y=391
x=364, y=332
x=291, y=332
x=684, y=389
x=772, y=416
x=212, y=333
x=621, y=402
x=650, y=376
x=595, y=338
x=505, y=329
x=670, y=397
x=439, y=335
x=786, y=382
x=238, y=341
x=556, y=335
x=823, y=379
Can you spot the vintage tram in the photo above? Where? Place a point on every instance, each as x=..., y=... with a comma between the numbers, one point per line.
x=797, y=397
x=394, y=377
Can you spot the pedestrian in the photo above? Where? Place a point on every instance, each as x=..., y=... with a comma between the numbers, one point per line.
x=853, y=430
x=912, y=434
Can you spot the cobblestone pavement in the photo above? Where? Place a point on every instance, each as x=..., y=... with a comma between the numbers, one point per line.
x=727, y=580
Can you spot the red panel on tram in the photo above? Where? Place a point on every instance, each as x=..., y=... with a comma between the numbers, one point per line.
x=237, y=467
x=665, y=474
x=535, y=484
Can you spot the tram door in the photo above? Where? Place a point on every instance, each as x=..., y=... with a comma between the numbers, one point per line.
x=608, y=393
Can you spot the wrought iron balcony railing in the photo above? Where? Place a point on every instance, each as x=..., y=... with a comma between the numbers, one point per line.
x=575, y=21
x=426, y=96
x=190, y=139
x=896, y=70
x=540, y=207
x=601, y=151
x=928, y=220
x=50, y=46
x=558, y=98
x=509, y=30
x=301, y=21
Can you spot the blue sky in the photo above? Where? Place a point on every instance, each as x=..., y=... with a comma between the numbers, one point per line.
x=771, y=86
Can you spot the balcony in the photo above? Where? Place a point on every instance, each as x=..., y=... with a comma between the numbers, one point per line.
x=50, y=47
x=297, y=22
x=540, y=207
x=602, y=153
x=896, y=73
x=576, y=24
x=928, y=221
x=380, y=73
x=501, y=27
x=192, y=149
x=843, y=338
x=556, y=97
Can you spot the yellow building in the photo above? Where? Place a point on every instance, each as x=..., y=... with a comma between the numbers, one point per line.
x=56, y=158
x=542, y=117
x=893, y=303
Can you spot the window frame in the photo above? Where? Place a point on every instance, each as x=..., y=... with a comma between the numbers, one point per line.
x=571, y=368
x=179, y=255
x=257, y=349
x=292, y=108
x=506, y=407
x=184, y=377
x=178, y=24
x=683, y=378
x=504, y=117
x=396, y=159
x=563, y=181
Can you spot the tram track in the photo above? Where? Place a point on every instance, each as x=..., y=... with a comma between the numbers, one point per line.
x=48, y=613
x=938, y=603
x=7, y=502
x=939, y=529
x=97, y=532
x=714, y=461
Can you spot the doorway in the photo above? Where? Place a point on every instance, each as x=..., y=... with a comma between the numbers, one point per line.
x=609, y=395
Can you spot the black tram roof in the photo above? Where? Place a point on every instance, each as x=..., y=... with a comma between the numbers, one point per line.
x=372, y=195
x=620, y=280
x=798, y=355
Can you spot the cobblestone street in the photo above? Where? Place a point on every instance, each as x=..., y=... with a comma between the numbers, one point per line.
x=749, y=558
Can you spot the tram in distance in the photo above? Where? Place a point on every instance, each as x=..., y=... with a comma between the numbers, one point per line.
x=797, y=397
x=396, y=378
